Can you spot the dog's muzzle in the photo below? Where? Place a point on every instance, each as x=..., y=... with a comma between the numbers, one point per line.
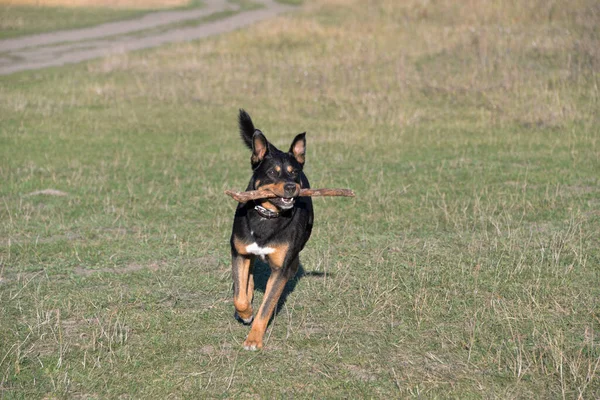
x=285, y=202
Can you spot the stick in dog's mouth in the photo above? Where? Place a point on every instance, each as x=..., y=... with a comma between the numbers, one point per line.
x=244, y=197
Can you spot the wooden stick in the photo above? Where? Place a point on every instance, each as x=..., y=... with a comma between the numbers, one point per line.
x=243, y=197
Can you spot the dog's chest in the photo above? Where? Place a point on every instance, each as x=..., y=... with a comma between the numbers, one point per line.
x=258, y=247
x=257, y=250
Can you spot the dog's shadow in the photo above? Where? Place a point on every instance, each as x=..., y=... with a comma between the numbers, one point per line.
x=262, y=271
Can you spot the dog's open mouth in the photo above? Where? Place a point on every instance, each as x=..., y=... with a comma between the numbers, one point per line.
x=283, y=203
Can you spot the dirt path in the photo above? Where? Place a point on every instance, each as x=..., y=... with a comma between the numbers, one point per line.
x=72, y=46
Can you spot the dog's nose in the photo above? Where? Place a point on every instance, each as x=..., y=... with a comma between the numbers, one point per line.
x=289, y=189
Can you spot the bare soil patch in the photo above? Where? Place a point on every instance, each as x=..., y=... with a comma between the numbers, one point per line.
x=131, y=4
x=48, y=192
x=133, y=267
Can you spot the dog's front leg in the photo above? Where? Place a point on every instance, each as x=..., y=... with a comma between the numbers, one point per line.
x=280, y=274
x=243, y=285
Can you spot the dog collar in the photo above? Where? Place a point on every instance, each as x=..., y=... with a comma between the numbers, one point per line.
x=265, y=212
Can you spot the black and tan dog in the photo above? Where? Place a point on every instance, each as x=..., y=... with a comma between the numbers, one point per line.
x=273, y=229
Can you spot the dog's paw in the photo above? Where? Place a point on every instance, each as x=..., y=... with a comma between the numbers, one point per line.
x=252, y=345
x=245, y=321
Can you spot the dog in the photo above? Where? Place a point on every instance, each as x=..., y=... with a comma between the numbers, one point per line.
x=274, y=229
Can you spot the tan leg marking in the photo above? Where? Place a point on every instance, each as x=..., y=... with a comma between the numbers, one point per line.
x=243, y=281
x=240, y=246
x=277, y=258
x=275, y=286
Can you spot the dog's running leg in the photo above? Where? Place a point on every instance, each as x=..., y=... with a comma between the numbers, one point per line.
x=275, y=285
x=243, y=286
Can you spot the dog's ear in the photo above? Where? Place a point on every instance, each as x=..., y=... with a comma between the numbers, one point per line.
x=298, y=148
x=246, y=128
x=260, y=148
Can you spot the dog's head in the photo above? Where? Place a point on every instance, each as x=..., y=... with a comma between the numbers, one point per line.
x=273, y=169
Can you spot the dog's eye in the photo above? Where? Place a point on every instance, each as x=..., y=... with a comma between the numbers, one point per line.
x=272, y=172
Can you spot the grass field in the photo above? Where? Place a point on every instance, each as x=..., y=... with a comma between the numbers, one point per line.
x=467, y=266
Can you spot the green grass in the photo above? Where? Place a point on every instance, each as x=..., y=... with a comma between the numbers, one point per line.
x=17, y=20
x=466, y=267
